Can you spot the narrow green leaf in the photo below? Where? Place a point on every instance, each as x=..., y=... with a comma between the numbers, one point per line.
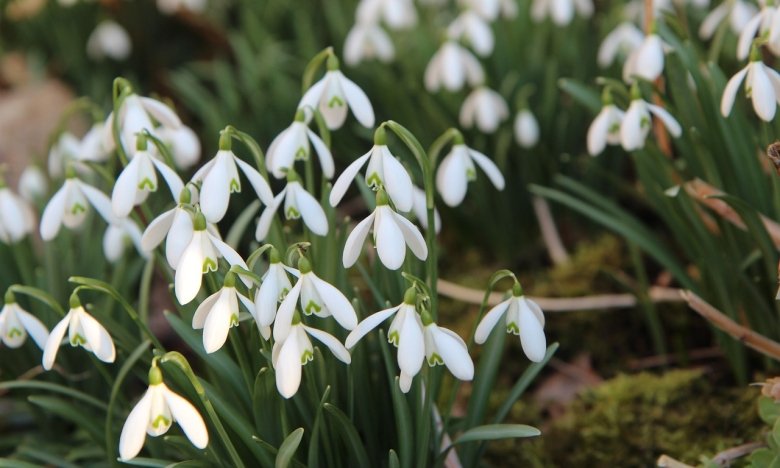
x=496, y=432
x=288, y=448
x=56, y=388
x=349, y=434
x=581, y=93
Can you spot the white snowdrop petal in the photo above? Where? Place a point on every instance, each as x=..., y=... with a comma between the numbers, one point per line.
x=188, y=417
x=54, y=341
x=489, y=321
x=345, y=179
x=451, y=179
x=358, y=101
x=281, y=153
x=453, y=352
x=333, y=344
x=323, y=154
x=51, y=220
x=650, y=58
x=336, y=302
x=34, y=327
x=312, y=96
x=746, y=37
x=762, y=93
x=397, y=181
x=173, y=180
x=189, y=272
x=131, y=440
x=98, y=338
x=284, y=315
x=412, y=236
x=266, y=301
x=368, y=324
x=215, y=192
x=217, y=324
x=312, y=213
x=670, y=122
x=99, y=201
x=157, y=230
x=532, y=337
x=179, y=236
x=264, y=223
x=390, y=244
x=730, y=92
x=333, y=104
x=405, y=382
x=288, y=367
x=355, y=240
x=258, y=183
x=411, y=345
x=199, y=317
x=490, y=168
x=161, y=112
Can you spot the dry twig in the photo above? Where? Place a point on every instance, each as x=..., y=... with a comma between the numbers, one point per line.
x=550, y=235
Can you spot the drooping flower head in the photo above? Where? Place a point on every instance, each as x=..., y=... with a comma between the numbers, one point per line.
x=218, y=313
x=294, y=144
x=485, y=108
x=761, y=85
x=83, y=330
x=16, y=323
x=298, y=204
x=16, y=216
x=270, y=294
x=451, y=67
x=605, y=128
x=457, y=169
x=154, y=414
x=70, y=204
x=637, y=122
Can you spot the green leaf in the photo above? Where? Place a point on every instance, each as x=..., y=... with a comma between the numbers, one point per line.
x=523, y=382
x=149, y=462
x=349, y=434
x=496, y=432
x=581, y=93
x=72, y=413
x=768, y=410
x=56, y=388
x=288, y=448
x=314, y=64
x=241, y=224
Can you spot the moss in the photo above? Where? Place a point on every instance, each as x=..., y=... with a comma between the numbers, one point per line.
x=632, y=419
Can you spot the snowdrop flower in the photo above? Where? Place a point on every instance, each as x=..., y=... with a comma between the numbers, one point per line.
x=69, y=207
x=294, y=350
x=560, y=11
x=170, y=7
x=605, y=128
x=487, y=9
x=508, y=8
x=636, y=123
x=485, y=107
x=184, y=145
x=16, y=323
x=69, y=150
x=392, y=233
x=109, y=39
x=420, y=209
x=298, y=203
x=384, y=171
x=33, y=185
x=116, y=237
x=367, y=41
x=526, y=129
x=457, y=170
x=139, y=178
x=271, y=292
x=294, y=143
x=333, y=94
x=396, y=14
x=16, y=217
x=219, y=313
x=416, y=341
x=220, y=179
x=474, y=30
x=136, y=115
x=154, y=414
x=175, y=227
x=199, y=257
x=83, y=330
x=523, y=317
x=760, y=85
x=316, y=297
x=646, y=61
x=624, y=39
x=452, y=66
x=737, y=12
x=763, y=23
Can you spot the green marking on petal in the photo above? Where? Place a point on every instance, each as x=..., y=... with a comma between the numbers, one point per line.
x=302, y=154
x=161, y=420
x=78, y=208
x=645, y=122
x=14, y=332
x=233, y=320
x=374, y=181
x=435, y=359
x=306, y=357
x=283, y=294
x=311, y=307
x=335, y=101
x=471, y=174
x=393, y=338
x=512, y=328
x=209, y=264
x=147, y=184
x=614, y=128
x=292, y=213
x=78, y=340
x=235, y=185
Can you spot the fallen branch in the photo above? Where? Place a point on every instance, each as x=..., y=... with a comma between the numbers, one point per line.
x=550, y=304
x=720, y=320
x=669, y=462
x=725, y=457
x=550, y=235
